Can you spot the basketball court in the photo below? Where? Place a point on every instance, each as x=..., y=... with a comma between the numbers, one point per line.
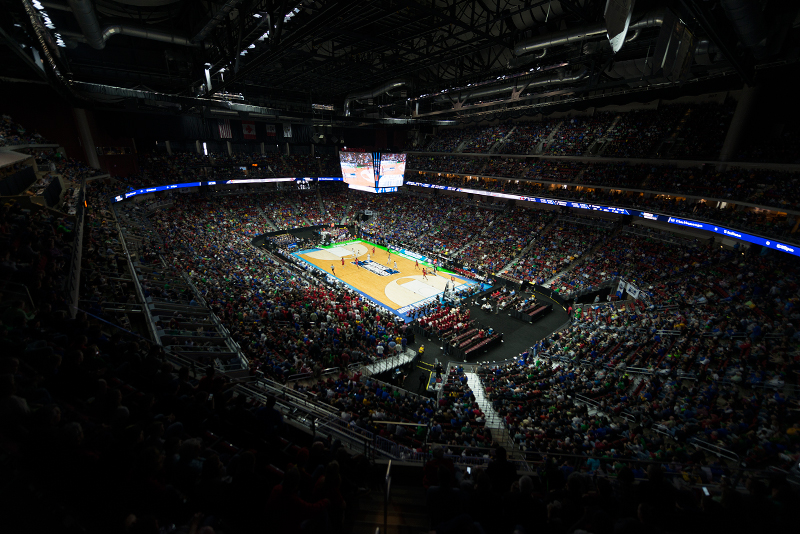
x=387, y=277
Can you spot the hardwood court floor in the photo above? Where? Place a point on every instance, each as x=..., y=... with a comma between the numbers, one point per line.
x=378, y=279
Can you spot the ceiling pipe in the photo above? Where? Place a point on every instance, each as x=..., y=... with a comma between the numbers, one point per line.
x=96, y=38
x=56, y=6
x=377, y=91
x=705, y=52
x=146, y=33
x=219, y=16
x=650, y=19
x=87, y=20
x=747, y=20
x=558, y=78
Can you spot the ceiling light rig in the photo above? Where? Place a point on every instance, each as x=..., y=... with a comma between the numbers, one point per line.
x=48, y=23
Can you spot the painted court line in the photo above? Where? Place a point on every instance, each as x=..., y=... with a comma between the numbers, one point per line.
x=421, y=288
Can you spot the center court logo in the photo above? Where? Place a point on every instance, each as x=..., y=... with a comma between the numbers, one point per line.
x=376, y=268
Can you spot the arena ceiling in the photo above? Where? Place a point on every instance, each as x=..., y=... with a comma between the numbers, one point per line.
x=390, y=60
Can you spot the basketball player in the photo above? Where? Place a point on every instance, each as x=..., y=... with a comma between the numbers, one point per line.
x=395, y=266
x=342, y=261
x=424, y=274
x=369, y=256
x=373, y=250
x=389, y=257
x=416, y=264
x=334, y=272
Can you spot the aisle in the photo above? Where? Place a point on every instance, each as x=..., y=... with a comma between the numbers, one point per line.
x=381, y=366
x=493, y=420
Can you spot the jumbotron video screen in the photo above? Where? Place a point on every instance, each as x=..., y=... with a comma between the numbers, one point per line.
x=357, y=169
x=373, y=172
x=391, y=170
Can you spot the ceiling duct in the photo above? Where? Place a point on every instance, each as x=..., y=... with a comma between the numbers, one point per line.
x=96, y=38
x=381, y=89
x=748, y=22
x=651, y=19
x=558, y=78
x=635, y=71
x=705, y=52
x=232, y=107
x=215, y=21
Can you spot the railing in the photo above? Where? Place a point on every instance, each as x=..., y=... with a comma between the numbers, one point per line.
x=137, y=286
x=279, y=391
x=596, y=405
x=407, y=393
x=73, y=281
x=359, y=439
x=386, y=497
x=16, y=291
x=386, y=364
x=714, y=449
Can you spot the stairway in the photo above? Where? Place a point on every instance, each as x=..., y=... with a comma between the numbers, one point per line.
x=322, y=207
x=406, y=513
x=672, y=142
x=540, y=147
x=477, y=237
x=587, y=255
x=501, y=142
x=461, y=146
x=297, y=210
x=435, y=228
x=388, y=364
x=527, y=247
x=272, y=226
x=605, y=141
x=493, y=420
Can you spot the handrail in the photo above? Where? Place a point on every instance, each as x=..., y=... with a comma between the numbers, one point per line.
x=406, y=392
x=715, y=449
x=136, y=284
x=387, y=496
x=73, y=281
x=281, y=391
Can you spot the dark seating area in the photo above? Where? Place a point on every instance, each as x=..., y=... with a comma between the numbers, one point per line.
x=399, y=267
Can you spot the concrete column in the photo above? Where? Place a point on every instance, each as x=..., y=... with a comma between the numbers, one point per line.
x=86, y=137
x=263, y=149
x=287, y=149
x=737, y=128
x=169, y=148
x=199, y=147
x=230, y=148
x=312, y=149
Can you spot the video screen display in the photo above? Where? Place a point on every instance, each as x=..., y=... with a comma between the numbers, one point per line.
x=357, y=168
x=392, y=169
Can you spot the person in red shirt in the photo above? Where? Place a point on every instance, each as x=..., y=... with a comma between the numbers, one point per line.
x=424, y=274
x=288, y=511
x=431, y=470
x=342, y=261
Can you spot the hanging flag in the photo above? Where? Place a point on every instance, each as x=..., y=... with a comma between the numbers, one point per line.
x=287, y=130
x=249, y=129
x=270, y=130
x=620, y=288
x=224, y=129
